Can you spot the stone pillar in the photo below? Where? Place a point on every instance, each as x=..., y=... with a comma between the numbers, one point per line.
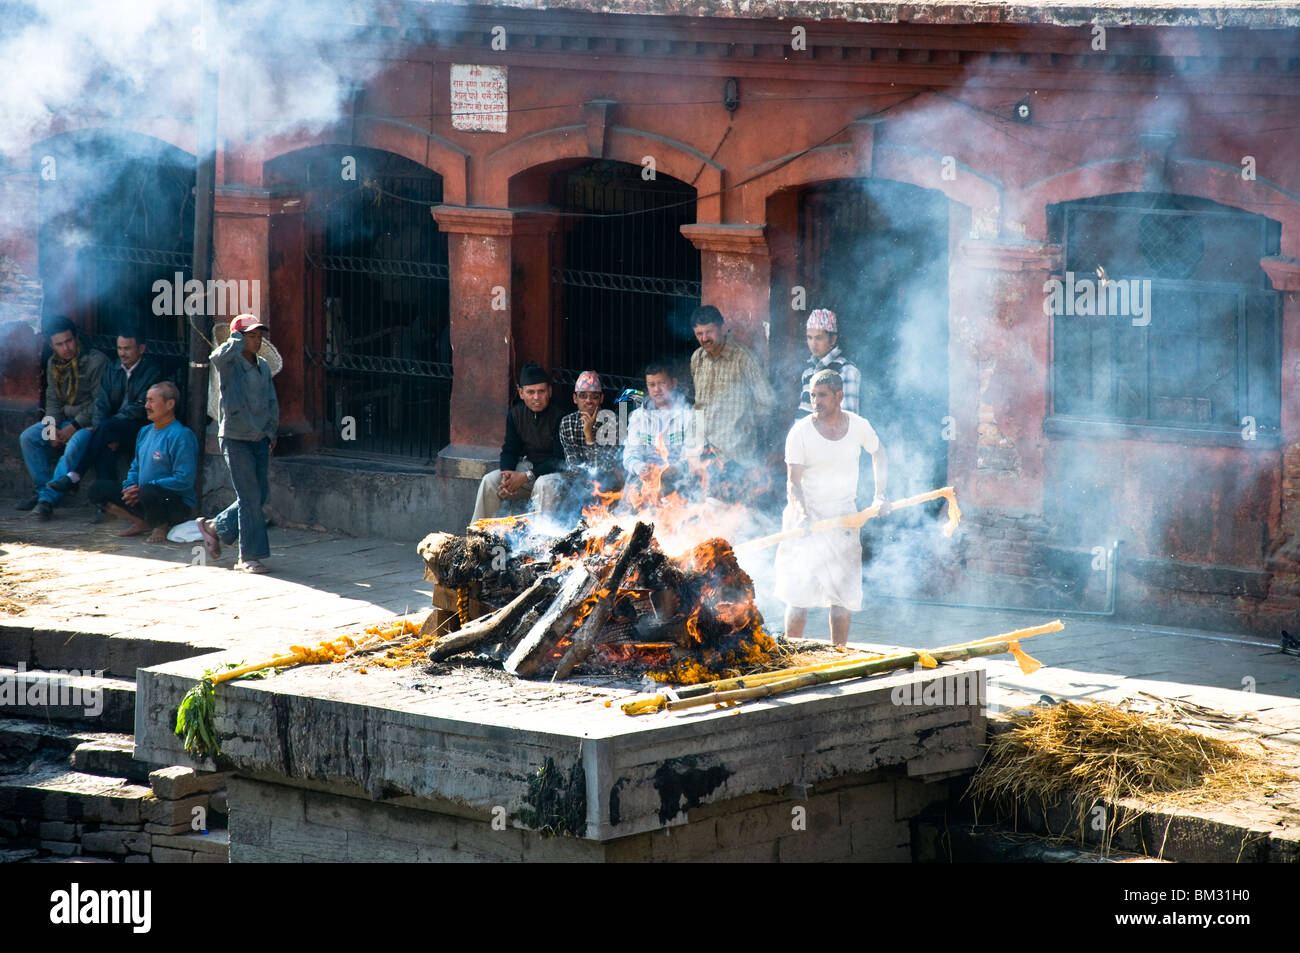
x=500, y=320
x=259, y=237
x=736, y=275
x=998, y=356
x=1284, y=274
x=20, y=292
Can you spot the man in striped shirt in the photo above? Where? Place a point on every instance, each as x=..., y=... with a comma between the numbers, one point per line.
x=823, y=341
x=732, y=395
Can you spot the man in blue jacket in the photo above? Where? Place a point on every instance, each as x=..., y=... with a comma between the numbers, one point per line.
x=117, y=418
x=250, y=419
x=158, y=491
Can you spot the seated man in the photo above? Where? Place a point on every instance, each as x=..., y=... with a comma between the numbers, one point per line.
x=589, y=438
x=117, y=418
x=71, y=383
x=159, y=488
x=660, y=433
x=531, y=448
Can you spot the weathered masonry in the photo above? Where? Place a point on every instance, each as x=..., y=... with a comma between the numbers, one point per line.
x=925, y=170
x=464, y=765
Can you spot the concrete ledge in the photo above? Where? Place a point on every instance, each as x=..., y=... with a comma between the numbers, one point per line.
x=391, y=499
x=484, y=743
x=468, y=462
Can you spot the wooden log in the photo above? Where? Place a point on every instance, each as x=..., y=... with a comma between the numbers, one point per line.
x=588, y=635
x=533, y=649
x=497, y=624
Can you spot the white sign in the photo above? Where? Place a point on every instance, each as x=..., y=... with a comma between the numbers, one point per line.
x=478, y=98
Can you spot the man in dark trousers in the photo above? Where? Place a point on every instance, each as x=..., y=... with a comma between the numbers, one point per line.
x=158, y=491
x=250, y=420
x=118, y=416
x=71, y=383
x=531, y=449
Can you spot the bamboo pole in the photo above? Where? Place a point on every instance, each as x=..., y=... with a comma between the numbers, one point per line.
x=855, y=520
x=785, y=680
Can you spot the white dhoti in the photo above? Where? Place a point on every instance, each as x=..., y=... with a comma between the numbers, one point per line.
x=824, y=569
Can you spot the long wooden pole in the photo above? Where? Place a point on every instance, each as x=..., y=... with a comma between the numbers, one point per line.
x=783, y=681
x=854, y=520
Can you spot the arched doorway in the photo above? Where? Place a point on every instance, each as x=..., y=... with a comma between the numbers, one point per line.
x=624, y=278
x=876, y=253
x=116, y=218
x=375, y=302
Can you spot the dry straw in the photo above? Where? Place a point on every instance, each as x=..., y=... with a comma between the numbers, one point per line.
x=1103, y=753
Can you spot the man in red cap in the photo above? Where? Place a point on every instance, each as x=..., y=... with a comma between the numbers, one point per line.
x=248, y=422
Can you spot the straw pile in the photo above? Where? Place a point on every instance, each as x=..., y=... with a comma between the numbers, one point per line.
x=1099, y=752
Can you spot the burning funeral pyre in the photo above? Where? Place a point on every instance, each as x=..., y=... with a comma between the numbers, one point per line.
x=600, y=599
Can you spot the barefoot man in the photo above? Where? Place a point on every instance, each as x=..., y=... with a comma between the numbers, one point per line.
x=158, y=491
x=821, y=455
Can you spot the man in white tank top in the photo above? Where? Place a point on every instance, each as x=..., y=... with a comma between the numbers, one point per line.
x=821, y=456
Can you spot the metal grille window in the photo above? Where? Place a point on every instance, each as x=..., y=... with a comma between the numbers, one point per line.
x=1198, y=343
x=118, y=217
x=378, y=346
x=626, y=280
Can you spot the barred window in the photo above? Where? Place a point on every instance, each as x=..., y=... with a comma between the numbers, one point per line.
x=1163, y=316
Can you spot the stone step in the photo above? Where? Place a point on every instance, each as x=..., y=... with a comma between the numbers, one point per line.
x=115, y=653
x=100, y=702
x=112, y=757
x=23, y=738
x=52, y=792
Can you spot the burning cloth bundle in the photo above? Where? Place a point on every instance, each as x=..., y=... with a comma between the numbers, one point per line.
x=597, y=601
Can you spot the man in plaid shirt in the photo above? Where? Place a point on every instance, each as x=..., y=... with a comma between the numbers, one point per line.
x=589, y=437
x=823, y=342
x=732, y=395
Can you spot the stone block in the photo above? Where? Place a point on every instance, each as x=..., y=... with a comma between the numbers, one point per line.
x=176, y=782
x=168, y=828
x=138, y=859
x=1284, y=847
x=248, y=854
x=60, y=848
x=170, y=813
x=755, y=825
x=216, y=842
x=882, y=835
x=686, y=842
x=766, y=853
x=271, y=799
x=200, y=858
x=56, y=830
x=322, y=844
x=116, y=842
x=911, y=797
x=873, y=801
x=9, y=827
x=169, y=855
x=251, y=829
x=810, y=846
x=630, y=850
x=366, y=848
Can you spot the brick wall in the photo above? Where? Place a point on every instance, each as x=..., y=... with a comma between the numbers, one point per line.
x=863, y=817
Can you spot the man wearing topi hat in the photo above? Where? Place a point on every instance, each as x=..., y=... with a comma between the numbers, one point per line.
x=249, y=419
x=822, y=335
x=531, y=449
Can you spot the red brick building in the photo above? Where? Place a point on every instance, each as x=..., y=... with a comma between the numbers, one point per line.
x=924, y=169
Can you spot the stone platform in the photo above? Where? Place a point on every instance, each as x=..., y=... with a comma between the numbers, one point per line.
x=469, y=756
